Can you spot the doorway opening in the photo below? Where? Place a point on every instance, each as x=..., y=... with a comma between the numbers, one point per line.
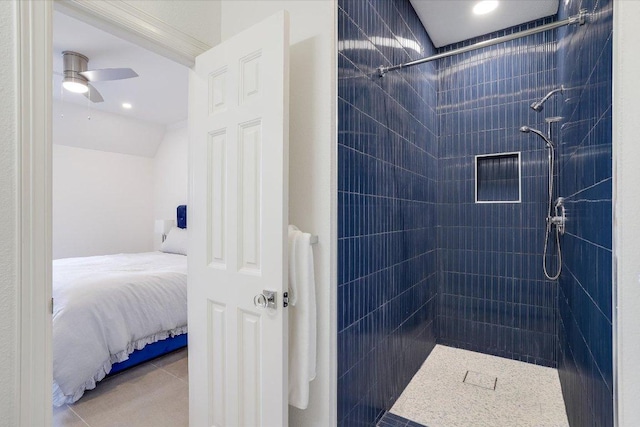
x=120, y=174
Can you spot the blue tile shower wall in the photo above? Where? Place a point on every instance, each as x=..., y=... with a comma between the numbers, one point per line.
x=387, y=245
x=585, y=169
x=493, y=295
x=406, y=171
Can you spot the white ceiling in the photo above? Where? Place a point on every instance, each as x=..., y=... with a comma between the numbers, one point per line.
x=452, y=21
x=158, y=95
x=99, y=130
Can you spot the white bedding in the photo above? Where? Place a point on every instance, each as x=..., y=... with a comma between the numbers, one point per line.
x=105, y=307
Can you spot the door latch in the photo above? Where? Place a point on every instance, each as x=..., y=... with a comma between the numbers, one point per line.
x=285, y=299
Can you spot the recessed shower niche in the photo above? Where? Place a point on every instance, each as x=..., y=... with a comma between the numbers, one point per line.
x=498, y=178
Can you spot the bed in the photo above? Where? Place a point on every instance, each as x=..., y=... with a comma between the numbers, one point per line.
x=114, y=311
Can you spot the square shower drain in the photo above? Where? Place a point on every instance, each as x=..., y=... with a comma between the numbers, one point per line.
x=480, y=380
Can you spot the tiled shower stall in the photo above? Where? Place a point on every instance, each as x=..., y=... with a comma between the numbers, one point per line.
x=420, y=262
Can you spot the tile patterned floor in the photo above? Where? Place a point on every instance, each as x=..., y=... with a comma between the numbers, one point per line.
x=525, y=395
x=155, y=394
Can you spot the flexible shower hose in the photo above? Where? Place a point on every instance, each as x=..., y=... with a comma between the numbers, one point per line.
x=549, y=223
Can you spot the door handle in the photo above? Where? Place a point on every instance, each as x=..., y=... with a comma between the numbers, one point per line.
x=267, y=299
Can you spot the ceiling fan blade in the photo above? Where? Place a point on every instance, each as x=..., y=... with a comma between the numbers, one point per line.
x=105, y=74
x=93, y=95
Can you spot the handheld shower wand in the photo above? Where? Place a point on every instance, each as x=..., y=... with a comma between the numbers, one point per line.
x=556, y=220
x=527, y=129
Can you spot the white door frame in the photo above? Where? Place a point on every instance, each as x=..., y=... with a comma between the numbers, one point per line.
x=34, y=41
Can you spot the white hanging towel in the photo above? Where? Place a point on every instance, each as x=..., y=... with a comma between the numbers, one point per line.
x=302, y=318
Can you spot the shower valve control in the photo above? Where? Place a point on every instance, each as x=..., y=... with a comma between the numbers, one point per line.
x=560, y=217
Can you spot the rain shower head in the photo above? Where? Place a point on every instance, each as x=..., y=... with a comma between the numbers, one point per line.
x=538, y=106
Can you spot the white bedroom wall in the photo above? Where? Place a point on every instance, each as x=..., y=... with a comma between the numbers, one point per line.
x=9, y=212
x=102, y=181
x=171, y=174
x=311, y=152
x=626, y=222
x=102, y=202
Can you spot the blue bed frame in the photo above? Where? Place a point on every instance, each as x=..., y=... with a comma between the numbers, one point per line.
x=150, y=351
x=159, y=348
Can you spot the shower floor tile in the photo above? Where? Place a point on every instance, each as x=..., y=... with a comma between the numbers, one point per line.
x=525, y=395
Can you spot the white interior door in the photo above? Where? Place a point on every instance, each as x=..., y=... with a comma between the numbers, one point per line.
x=238, y=202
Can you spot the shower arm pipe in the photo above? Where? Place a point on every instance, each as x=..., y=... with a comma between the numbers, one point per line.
x=580, y=19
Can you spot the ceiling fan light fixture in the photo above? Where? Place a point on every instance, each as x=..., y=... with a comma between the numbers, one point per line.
x=78, y=79
x=485, y=6
x=75, y=85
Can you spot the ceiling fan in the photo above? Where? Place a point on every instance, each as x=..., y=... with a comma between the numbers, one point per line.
x=77, y=78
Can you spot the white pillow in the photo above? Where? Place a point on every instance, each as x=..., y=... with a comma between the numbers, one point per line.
x=176, y=242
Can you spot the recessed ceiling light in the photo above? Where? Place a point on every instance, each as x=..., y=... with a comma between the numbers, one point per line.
x=485, y=6
x=126, y=106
